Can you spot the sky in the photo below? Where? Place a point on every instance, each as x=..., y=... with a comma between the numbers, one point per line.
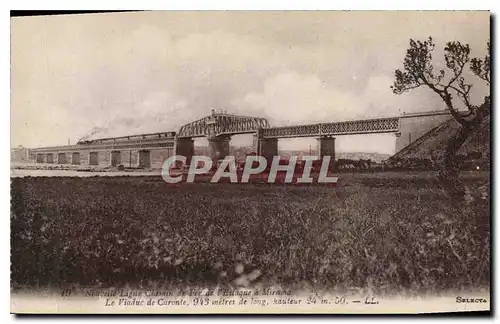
x=116, y=74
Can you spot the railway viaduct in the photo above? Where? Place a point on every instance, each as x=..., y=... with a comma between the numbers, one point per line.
x=143, y=150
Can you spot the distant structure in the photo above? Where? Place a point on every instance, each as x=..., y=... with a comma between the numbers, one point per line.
x=142, y=151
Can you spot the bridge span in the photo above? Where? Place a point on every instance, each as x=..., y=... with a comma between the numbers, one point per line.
x=141, y=150
x=367, y=126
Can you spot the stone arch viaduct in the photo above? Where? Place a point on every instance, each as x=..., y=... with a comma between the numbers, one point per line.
x=143, y=150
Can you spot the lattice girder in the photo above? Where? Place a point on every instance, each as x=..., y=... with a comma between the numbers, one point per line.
x=380, y=125
x=222, y=124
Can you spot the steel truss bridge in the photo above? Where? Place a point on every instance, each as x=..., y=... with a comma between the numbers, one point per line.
x=219, y=126
x=224, y=124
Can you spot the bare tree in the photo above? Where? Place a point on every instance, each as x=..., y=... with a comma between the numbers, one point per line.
x=449, y=84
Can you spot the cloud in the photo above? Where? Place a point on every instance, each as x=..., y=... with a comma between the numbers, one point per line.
x=147, y=72
x=292, y=98
x=158, y=112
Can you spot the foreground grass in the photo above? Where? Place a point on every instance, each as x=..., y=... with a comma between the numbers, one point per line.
x=385, y=233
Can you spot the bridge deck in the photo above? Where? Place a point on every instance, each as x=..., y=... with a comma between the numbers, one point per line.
x=379, y=125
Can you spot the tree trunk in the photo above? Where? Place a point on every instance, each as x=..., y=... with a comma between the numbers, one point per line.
x=449, y=176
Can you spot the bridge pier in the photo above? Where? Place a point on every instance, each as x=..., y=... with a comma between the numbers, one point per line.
x=219, y=147
x=93, y=158
x=116, y=158
x=50, y=158
x=256, y=142
x=158, y=156
x=75, y=158
x=184, y=147
x=268, y=149
x=326, y=147
x=144, y=159
x=61, y=158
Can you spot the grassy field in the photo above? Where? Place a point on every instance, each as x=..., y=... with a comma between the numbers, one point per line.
x=389, y=233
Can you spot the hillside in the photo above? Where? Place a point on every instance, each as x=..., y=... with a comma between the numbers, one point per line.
x=433, y=144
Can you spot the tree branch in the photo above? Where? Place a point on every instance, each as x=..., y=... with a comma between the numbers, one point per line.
x=455, y=77
x=464, y=96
